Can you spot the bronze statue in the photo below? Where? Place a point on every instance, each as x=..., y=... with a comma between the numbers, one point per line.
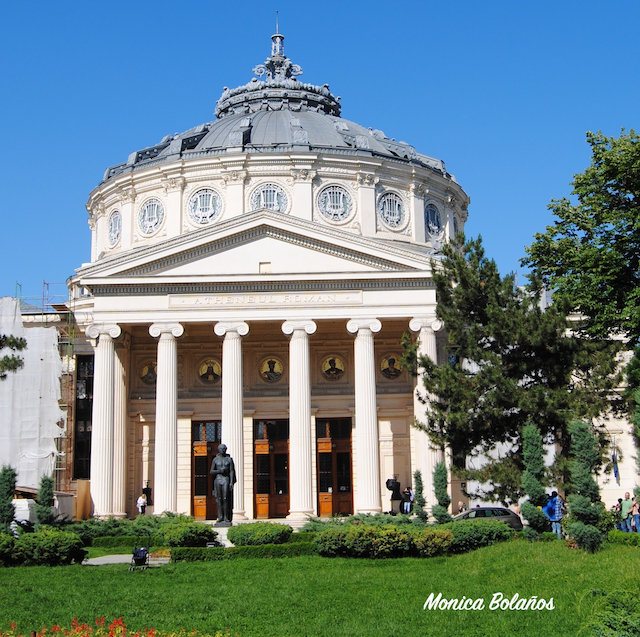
x=224, y=471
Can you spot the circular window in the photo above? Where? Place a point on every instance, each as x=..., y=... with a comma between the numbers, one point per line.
x=151, y=216
x=432, y=220
x=269, y=196
x=391, y=210
x=205, y=206
x=335, y=203
x=115, y=227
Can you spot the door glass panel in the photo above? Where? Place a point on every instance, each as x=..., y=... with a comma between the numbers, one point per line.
x=281, y=473
x=325, y=470
x=343, y=460
x=201, y=475
x=262, y=474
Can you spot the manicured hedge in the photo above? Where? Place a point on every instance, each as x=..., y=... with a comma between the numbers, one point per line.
x=7, y=545
x=469, y=535
x=255, y=533
x=295, y=549
x=383, y=541
x=48, y=547
x=302, y=537
x=620, y=537
x=128, y=540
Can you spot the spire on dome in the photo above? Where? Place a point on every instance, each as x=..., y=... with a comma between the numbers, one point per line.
x=277, y=41
x=277, y=66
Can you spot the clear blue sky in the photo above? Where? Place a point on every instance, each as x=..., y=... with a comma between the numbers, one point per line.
x=503, y=92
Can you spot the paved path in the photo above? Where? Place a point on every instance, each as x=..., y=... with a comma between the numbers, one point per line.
x=123, y=559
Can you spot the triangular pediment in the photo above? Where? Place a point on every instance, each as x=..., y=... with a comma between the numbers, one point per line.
x=260, y=242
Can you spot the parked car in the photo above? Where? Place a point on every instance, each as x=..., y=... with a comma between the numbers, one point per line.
x=492, y=513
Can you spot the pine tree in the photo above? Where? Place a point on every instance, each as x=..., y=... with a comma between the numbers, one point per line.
x=532, y=478
x=509, y=362
x=440, y=481
x=44, y=502
x=420, y=502
x=7, y=492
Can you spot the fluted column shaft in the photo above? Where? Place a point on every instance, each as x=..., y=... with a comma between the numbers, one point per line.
x=425, y=457
x=166, y=437
x=232, y=405
x=368, y=497
x=300, y=443
x=102, y=419
x=120, y=429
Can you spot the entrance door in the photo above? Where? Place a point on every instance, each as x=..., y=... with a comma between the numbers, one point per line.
x=205, y=438
x=271, y=462
x=335, y=493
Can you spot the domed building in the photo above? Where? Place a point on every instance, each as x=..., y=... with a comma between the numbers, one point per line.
x=250, y=281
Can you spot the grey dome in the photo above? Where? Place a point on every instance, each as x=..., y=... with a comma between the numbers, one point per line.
x=278, y=114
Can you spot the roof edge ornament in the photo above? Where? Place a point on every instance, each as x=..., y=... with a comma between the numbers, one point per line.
x=279, y=89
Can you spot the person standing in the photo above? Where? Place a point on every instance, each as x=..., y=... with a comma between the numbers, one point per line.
x=625, y=512
x=554, y=511
x=635, y=513
x=406, y=501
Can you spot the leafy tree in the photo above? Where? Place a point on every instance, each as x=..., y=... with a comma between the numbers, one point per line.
x=509, y=362
x=44, y=502
x=440, y=482
x=418, y=490
x=11, y=362
x=590, y=257
x=533, y=477
x=7, y=492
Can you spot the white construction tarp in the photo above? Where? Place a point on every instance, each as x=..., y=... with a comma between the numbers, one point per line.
x=30, y=415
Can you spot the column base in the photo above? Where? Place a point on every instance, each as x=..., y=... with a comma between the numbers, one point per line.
x=371, y=511
x=239, y=515
x=300, y=516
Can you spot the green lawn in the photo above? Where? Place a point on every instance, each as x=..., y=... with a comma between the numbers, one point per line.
x=332, y=597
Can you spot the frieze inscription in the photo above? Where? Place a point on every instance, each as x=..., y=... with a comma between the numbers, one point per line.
x=274, y=299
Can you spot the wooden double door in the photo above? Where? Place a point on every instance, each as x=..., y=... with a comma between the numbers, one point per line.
x=335, y=482
x=205, y=438
x=271, y=468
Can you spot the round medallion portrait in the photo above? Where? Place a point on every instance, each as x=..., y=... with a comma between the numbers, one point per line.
x=271, y=369
x=148, y=372
x=209, y=371
x=389, y=366
x=332, y=368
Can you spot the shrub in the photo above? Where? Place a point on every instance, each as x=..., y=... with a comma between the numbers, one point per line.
x=217, y=554
x=7, y=544
x=440, y=482
x=259, y=533
x=187, y=534
x=538, y=521
x=432, y=542
x=48, y=547
x=587, y=537
x=301, y=537
x=607, y=521
x=365, y=541
x=128, y=540
x=7, y=491
x=469, y=535
x=44, y=502
x=620, y=537
x=420, y=502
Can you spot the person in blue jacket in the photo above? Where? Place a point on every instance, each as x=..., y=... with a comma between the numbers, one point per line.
x=553, y=511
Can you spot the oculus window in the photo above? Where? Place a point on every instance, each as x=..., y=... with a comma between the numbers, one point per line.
x=269, y=196
x=205, y=206
x=151, y=216
x=335, y=203
x=391, y=210
x=115, y=227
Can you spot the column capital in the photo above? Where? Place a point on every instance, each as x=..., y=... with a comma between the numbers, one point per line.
x=289, y=327
x=223, y=327
x=372, y=324
x=95, y=330
x=419, y=322
x=175, y=329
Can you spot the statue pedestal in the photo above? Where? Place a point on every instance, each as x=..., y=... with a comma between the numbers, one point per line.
x=223, y=524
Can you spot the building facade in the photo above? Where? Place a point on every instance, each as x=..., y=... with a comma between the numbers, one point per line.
x=249, y=283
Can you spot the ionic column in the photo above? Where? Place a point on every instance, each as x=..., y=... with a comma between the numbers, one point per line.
x=423, y=456
x=102, y=418
x=121, y=363
x=367, y=444
x=300, y=443
x=232, y=410
x=166, y=437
